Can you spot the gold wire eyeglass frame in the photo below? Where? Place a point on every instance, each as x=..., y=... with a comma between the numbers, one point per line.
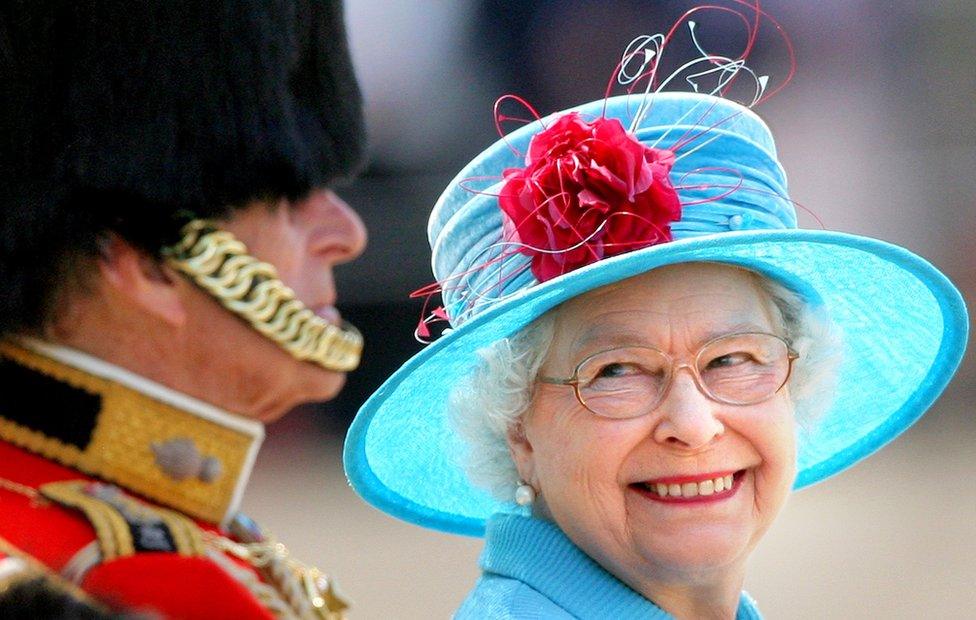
x=673, y=368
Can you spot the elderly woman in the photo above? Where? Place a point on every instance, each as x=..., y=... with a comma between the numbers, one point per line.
x=646, y=356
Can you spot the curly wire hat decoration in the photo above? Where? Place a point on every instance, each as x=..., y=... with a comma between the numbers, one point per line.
x=539, y=216
x=550, y=226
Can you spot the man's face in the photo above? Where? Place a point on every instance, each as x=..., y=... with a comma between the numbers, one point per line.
x=303, y=241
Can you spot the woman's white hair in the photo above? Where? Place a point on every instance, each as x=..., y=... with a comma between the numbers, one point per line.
x=491, y=400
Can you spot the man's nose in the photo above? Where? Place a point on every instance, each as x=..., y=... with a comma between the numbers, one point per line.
x=686, y=417
x=339, y=232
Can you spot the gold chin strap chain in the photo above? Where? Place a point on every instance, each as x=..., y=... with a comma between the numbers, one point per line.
x=219, y=263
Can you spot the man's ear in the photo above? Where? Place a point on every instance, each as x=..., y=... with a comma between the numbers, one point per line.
x=142, y=280
x=521, y=450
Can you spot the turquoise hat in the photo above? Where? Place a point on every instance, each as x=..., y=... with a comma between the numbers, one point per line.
x=904, y=325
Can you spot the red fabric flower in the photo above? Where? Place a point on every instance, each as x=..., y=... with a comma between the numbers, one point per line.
x=589, y=190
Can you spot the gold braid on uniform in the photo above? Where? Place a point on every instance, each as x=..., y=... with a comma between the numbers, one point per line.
x=219, y=263
x=294, y=589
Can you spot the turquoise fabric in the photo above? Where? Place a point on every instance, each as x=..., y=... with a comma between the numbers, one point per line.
x=533, y=571
x=465, y=225
x=904, y=325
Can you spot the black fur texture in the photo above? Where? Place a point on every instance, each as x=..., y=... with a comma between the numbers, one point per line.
x=125, y=116
x=41, y=598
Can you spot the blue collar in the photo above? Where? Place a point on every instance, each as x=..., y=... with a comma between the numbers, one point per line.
x=538, y=554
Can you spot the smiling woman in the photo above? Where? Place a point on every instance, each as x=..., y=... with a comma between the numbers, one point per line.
x=594, y=473
x=646, y=357
x=658, y=474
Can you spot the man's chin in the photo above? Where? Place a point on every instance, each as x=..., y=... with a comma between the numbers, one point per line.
x=327, y=390
x=317, y=386
x=325, y=385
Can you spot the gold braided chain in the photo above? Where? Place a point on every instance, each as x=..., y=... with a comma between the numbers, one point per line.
x=219, y=263
x=309, y=592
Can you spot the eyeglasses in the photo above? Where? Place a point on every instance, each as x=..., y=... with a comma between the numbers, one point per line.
x=629, y=382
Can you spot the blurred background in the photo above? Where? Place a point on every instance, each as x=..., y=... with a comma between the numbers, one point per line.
x=878, y=134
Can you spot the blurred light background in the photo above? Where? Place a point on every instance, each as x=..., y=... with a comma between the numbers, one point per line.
x=878, y=134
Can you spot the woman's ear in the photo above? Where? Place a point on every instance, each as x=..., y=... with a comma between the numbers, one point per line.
x=142, y=280
x=521, y=450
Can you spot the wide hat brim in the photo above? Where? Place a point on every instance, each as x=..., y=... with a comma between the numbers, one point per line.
x=904, y=329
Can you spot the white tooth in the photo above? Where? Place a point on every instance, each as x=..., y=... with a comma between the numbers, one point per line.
x=728, y=481
x=674, y=490
x=719, y=485
x=706, y=487
x=662, y=489
x=689, y=489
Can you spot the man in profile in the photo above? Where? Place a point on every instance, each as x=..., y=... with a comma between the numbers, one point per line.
x=167, y=239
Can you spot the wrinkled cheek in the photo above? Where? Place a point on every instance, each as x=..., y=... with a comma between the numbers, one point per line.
x=789, y=437
x=567, y=472
x=774, y=481
x=781, y=444
x=791, y=461
x=582, y=499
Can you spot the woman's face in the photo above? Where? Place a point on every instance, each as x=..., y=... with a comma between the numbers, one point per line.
x=592, y=474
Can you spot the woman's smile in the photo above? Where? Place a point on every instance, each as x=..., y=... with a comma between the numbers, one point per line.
x=691, y=489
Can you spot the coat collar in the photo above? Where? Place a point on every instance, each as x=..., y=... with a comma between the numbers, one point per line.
x=540, y=555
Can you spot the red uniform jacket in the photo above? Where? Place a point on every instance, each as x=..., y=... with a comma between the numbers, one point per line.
x=120, y=486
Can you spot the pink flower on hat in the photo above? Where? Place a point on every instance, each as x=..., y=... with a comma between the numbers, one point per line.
x=589, y=190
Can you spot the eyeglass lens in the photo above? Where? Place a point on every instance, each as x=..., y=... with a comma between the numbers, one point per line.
x=738, y=369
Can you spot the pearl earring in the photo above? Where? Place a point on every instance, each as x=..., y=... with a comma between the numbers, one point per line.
x=524, y=494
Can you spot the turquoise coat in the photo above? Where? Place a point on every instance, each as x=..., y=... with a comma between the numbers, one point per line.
x=531, y=570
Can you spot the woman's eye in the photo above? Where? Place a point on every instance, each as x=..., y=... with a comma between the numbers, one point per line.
x=610, y=371
x=729, y=359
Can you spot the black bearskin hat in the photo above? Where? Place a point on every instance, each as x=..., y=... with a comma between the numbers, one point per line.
x=122, y=116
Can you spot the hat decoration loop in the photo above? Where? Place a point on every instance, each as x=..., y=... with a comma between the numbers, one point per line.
x=592, y=184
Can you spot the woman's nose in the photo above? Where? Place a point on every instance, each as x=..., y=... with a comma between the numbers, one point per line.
x=686, y=416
